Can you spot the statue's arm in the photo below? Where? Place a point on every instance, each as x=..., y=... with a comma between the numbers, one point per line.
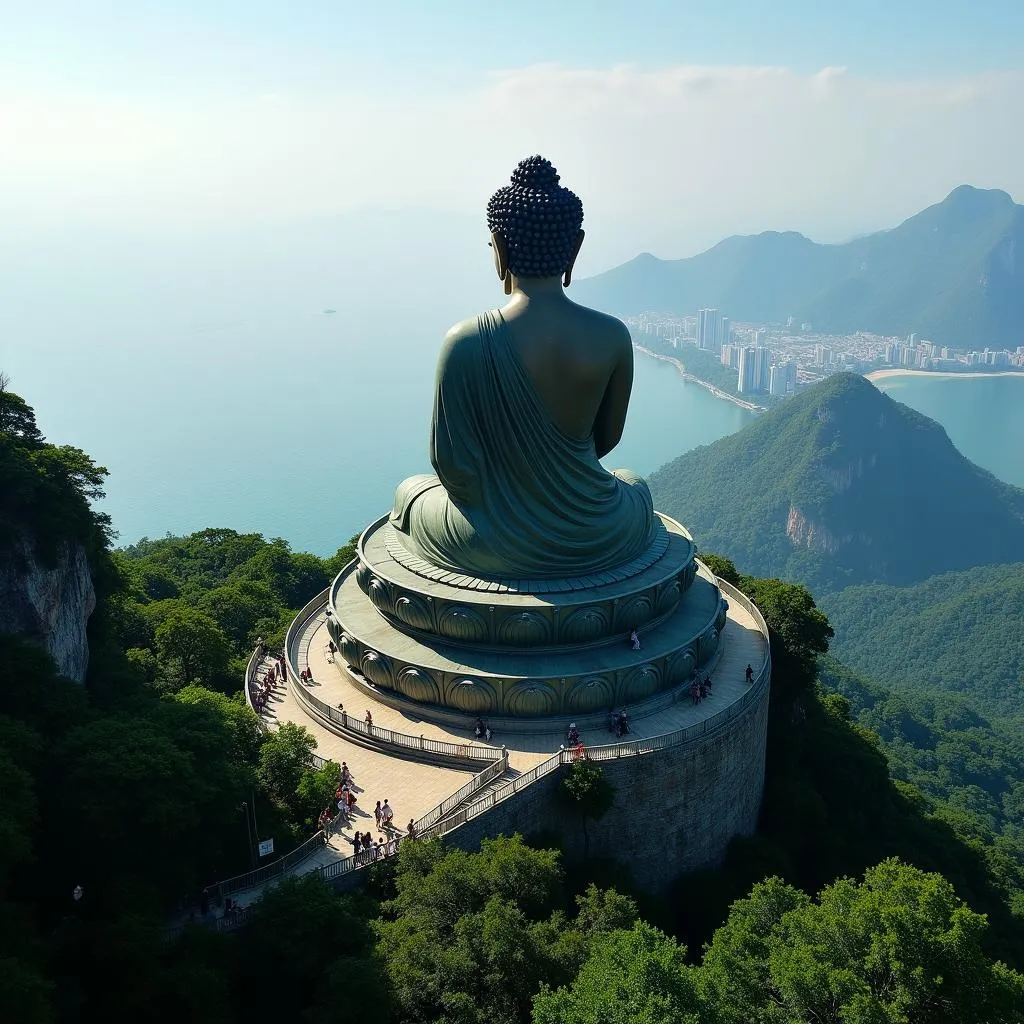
x=611, y=416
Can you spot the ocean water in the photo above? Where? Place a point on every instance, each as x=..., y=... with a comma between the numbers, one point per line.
x=204, y=372
x=293, y=424
x=983, y=416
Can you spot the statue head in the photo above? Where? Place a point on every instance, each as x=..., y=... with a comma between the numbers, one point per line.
x=536, y=225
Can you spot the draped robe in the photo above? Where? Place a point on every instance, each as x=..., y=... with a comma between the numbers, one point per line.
x=513, y=495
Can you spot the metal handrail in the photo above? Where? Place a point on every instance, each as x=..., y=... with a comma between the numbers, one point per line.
x=632, y=748
x=351, y=724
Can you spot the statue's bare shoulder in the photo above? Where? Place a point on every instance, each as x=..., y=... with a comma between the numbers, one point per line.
x=461, y=342
x=606, y=330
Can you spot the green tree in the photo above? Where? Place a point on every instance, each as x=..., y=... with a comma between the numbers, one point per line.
x=469, y=937
x=585, y=790
x=237, y=607
x=315, y=791
x=898, y=947
x=631, y=977
x=192, y=641
x=285, y=754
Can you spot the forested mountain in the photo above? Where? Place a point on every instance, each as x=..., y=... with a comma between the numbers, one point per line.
x=956, y=633
x=843, y=485
x=952, y=273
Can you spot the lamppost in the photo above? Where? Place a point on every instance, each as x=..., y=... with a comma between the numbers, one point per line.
x=248, y=832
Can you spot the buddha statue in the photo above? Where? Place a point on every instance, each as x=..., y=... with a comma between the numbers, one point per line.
x=528, y=398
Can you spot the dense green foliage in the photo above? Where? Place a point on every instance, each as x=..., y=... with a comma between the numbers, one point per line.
x=898, y=947
x=971, y=766
x=955, y=633
x=921, y=276
x=46, y=489
x=842, y=485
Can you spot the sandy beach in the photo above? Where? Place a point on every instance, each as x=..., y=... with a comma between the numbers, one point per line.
x=898, y=372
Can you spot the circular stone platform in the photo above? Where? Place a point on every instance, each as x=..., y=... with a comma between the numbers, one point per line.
x=452, y=643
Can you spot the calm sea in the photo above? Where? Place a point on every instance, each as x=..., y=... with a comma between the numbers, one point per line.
x=205, y=374
x=983, y=416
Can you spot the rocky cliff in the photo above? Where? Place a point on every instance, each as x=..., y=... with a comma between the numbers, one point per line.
x=49, y=605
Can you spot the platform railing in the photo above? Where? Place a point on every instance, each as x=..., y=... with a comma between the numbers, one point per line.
x=444, y=823
x=349, y=723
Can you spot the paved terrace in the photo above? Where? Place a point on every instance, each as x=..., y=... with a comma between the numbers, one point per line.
x=413, y=787
x=742, y=643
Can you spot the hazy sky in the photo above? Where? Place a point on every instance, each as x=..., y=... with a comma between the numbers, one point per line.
x=676, y=122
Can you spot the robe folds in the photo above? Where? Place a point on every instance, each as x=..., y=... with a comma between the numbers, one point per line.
x=513, y=495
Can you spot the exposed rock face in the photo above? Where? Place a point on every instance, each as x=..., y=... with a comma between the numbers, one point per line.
x=49, y=606
x=803, y=532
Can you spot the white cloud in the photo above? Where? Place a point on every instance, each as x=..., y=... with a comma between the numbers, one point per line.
x=668, y=159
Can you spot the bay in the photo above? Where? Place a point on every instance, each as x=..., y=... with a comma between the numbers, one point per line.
x=983, y=416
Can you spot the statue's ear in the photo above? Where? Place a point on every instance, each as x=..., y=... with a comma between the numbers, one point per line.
x=500, y=246
x=567, y=277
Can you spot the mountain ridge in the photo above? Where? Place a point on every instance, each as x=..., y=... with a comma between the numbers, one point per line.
x=842, y=485
x=951, y=273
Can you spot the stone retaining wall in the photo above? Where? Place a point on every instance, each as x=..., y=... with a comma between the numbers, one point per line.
x=675, y=810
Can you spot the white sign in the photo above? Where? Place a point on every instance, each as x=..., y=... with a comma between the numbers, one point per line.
x=266, y=847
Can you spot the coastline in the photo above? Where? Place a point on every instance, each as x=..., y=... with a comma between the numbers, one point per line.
x=687, y=376
x=900, y=372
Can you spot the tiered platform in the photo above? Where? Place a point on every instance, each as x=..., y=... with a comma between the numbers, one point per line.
x=524, y=648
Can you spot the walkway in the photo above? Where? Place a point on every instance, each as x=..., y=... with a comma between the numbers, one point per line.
x=414, y=788
x=742, y=644
x=411, y=788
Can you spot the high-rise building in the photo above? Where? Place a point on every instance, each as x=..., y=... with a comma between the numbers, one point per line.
x=754, y=368
x=745, y=382
x=713, y=330
x=762, y=366
x=782, y=378
x=707, y=329
x=730, y=356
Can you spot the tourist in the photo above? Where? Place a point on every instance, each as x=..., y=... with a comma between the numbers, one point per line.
x=356, y=840
x=613, y=722
x=368, y=719
x=386, y=814
x=346, y=775
x=573, y=735
x=367, y=847
x=309, y=674
x=379, y=853
x=695, y=691
x=410, y=830
x=750, y=674
x=623, y=722
x=488, y=734
x=350, y=799
x=634, y=639
x=478, y=729
x=377, y=813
